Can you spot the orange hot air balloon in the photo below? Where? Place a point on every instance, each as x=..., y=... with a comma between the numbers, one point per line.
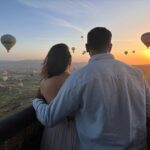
x=145, y=38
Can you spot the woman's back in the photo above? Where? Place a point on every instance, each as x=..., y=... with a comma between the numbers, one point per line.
x=55, y=70
x=50, y=86
x=63, y=136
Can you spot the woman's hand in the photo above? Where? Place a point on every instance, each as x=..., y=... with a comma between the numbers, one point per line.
x=39, y=95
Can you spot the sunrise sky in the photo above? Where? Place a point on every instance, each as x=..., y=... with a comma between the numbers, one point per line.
x=39, y=24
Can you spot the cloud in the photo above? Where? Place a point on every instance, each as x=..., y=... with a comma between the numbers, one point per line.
x=56, y=11
x=61, y=22
x=66, y=7
x=65, y=23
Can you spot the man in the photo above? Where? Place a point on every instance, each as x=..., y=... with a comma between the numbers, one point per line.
x=110, y=100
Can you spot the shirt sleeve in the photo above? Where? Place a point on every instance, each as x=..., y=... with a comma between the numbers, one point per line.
x=66, y=102
x=147, y=90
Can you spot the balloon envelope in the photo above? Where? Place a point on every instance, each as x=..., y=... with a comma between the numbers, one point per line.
x=125, y=52
x=83, y=52
x=20, y=84
x=145, y=38
x=5, y=78
x=8, y=41
x=73, y=49
x=5, y=75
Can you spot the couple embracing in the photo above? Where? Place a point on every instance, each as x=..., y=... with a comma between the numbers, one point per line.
x=102, y=106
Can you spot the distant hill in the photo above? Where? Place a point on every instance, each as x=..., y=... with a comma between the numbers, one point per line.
x=143, y=67
x=146, y=71
x=24, y=65
x=30, y=65
x=20, y=66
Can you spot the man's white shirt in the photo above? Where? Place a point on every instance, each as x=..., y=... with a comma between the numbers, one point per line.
x=110, y=101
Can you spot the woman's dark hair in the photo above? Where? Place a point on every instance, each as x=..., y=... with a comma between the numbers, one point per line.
x=56, y=61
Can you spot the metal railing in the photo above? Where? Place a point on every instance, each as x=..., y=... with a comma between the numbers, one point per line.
x=20, y=131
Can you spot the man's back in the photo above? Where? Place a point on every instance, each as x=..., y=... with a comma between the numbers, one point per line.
x=112, y=114
x=110, y=98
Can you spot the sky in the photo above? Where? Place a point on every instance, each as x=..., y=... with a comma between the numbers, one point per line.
x=39, y=24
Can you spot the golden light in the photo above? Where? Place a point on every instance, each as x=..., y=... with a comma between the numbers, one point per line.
x=146, y=53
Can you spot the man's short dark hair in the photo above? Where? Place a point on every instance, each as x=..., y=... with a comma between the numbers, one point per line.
x=99, y=38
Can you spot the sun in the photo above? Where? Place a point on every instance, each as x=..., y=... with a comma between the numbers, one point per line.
x=146, y=53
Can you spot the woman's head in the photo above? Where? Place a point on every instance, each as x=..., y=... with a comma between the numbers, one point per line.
x=57, y=61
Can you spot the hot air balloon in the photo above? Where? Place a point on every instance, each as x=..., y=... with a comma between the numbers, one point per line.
x=5, y=75
x=5, y=78
x=83, y=52
x=145, y=38
x=20, y=84
x=125, y=52
x=8, y=41
x=73, y=49
x=133, y=51
x=81, y=37
x=34, y=71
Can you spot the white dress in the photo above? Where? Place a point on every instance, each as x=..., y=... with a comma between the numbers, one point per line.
x=63, y=136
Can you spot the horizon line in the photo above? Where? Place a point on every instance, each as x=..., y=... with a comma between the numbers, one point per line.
x=73, y=62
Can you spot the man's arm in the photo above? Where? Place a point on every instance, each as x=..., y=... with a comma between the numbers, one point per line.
x=66, y=102
x=147, y=91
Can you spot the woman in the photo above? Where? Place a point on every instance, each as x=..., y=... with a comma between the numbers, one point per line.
x=55, y=70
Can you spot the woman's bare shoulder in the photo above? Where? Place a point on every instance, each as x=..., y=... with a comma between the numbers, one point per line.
x=54, y=81
x=50, y=86
x=45, y=83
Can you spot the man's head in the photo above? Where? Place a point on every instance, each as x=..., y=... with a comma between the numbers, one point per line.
x=99, y=41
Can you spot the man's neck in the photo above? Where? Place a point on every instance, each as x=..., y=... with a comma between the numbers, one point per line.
x=96, y=53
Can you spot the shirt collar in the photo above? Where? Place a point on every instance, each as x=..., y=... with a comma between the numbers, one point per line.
x=101, y=56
